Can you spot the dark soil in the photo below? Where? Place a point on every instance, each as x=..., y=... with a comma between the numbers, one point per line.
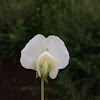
x=12, y=78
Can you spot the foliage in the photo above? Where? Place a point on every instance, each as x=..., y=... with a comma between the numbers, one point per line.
x=76, y=22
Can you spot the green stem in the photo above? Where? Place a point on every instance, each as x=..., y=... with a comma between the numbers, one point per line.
x=42, y=88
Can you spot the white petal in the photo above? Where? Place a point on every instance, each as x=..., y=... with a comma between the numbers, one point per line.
x=54, y=69
x=52, y=64
x=57, y=49
x=32, y=51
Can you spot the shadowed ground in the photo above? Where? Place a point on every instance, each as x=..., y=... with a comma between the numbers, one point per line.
x=12, y=78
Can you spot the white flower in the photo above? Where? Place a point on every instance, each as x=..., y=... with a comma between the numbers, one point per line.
x=45, y=55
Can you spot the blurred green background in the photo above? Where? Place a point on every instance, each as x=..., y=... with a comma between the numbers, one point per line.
x=76, y=22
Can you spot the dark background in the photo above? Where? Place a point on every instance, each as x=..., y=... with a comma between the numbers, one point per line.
x=76, y=22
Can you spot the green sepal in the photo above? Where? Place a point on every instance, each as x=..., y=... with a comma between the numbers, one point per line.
x=37, y=75
x=46, y=80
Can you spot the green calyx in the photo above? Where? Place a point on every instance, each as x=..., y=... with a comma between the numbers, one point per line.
x=45, y=78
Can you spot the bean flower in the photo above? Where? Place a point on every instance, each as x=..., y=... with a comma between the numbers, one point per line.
x=45, y=55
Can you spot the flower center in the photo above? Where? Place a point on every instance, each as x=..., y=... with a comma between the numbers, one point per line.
x=46, y=65
x=46, y=49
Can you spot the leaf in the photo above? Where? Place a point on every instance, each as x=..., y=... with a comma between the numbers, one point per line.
x=37, y=75
x=46, y=80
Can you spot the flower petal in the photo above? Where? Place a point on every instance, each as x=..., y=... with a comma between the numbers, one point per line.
x=52, y=69
x=57, y=49
x=33, y=49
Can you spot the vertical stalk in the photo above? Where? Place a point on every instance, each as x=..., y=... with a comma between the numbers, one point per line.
x=42, y=88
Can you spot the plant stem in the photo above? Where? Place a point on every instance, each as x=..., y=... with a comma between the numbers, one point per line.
x=42, y=88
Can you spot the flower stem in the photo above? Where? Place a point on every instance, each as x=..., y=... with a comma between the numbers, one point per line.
x=42, y=88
